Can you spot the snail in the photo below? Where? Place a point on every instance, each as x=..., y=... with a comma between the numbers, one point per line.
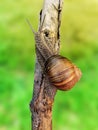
x=61, y=72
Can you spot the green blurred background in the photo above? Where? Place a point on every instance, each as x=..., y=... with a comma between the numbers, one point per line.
x=73, y=110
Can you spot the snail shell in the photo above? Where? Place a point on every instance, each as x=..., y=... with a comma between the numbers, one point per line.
x=62, y=73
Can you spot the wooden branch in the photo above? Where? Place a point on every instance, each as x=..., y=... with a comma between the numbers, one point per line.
x=44, y=92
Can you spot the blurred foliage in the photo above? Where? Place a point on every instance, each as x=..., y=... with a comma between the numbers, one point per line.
x=73, y=110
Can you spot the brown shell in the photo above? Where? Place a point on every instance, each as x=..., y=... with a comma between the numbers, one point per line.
x=62, y=73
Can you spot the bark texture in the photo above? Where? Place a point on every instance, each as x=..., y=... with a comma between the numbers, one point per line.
x=44, y=93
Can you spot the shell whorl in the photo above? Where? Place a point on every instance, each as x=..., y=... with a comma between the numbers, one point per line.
x=62, y=72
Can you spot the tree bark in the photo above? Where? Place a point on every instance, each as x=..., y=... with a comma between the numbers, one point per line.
x=44, y=93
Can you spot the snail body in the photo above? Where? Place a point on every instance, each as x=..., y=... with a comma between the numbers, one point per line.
x=62, y=73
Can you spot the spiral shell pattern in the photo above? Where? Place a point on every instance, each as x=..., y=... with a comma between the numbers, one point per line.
x=62, y=73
